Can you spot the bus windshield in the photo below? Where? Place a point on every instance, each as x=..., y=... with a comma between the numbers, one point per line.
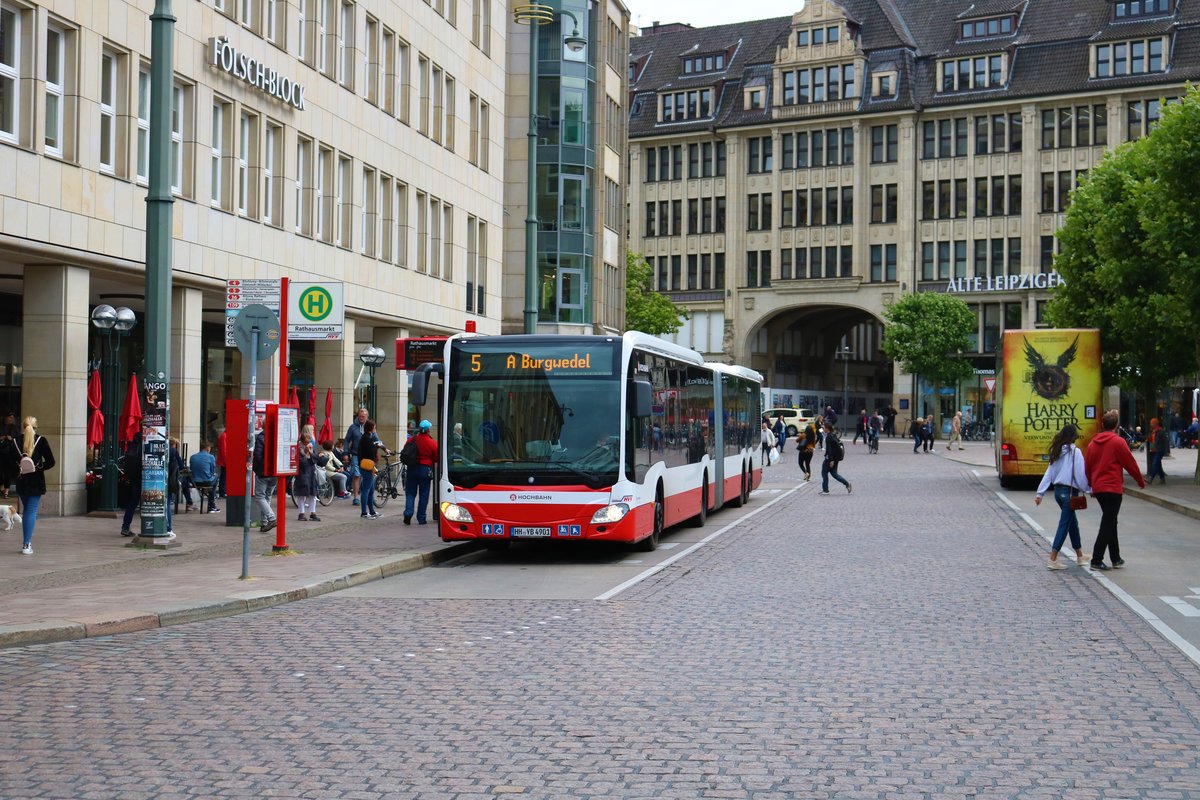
x=534, y=413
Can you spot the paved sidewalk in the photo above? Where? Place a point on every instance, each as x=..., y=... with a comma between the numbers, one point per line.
x=83, y=580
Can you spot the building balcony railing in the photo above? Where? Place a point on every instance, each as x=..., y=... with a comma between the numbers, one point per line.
x=806, y=110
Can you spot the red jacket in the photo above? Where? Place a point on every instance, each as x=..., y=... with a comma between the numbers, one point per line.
x=427, y=450
x=1107, y=455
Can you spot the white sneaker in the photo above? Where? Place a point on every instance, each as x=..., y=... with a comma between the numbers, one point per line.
x=27, y=550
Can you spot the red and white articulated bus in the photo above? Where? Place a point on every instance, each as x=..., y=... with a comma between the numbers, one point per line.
x=601, y=438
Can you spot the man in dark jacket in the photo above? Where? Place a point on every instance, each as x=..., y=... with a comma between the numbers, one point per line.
x=264, y=487
x=131, y=462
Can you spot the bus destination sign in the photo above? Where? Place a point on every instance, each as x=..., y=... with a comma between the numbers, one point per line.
x=559, y=360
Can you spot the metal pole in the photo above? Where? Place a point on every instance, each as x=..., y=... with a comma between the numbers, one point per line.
x=531, y=220
x=249, y=453
x=109, y=474
x=845, y=383
x=159, y=201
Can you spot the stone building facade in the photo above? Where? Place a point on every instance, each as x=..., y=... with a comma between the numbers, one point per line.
x=791, y=176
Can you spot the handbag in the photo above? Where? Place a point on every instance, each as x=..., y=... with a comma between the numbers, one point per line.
x=1077, y=502
x=773, y=456
x=366, y=465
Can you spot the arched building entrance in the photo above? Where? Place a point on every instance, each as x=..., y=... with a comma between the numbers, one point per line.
x=818, y=354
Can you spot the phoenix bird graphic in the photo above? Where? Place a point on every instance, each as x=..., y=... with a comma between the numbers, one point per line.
x=1050, y=381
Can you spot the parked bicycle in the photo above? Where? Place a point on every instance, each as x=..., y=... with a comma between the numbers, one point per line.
x=389, y=478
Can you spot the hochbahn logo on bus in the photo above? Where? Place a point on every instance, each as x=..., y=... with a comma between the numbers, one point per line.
x=516, y=497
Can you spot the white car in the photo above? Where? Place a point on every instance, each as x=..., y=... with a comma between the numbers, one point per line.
x=793, y=418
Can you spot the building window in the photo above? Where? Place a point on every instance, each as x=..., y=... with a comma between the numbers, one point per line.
x=403, y=231
x=1141, y=8
x=447, y=242
x=371, y=61
x=247, y=157
x=389, y=72
x=369, y=212
x=759, y=155
x=1137, y=57
x=273, y=172
x=821, y=84
x=387, y=219
x=304, y=191
x=448, y=114
x=404, y=80
x=11, y=68
x=56, y=76
x=476, y=272
x=976, y=72
x=323, y=195
x=758, y=269
x=143, y=126
x=345, y=202
x=481, y=27
x=276, y=22
x=220, y=109
x=423, y=94
x=110, y=78
x=246, y=14
x=994, y=26
x=345, y=44
x=681, y=106
x=883, y=202
x=180, y=121
x=884, y=144
x=1141, y=117
x=326, y=43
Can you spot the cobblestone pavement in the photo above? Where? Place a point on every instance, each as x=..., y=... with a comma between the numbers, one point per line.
x=904, y=641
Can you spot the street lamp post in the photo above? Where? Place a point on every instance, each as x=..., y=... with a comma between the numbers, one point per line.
x=534, y=15
x=844, y=353
x=115, y=324
x=372, y=358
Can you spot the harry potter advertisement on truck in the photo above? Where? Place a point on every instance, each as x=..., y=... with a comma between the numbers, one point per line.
x=1047, y=379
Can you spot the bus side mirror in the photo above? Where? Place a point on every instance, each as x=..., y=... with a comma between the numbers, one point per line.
x=419, y=386
x=641, y=398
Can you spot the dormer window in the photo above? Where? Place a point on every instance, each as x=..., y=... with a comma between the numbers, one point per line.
x=883, y=84
x=977, y=72
x=819, y=84
x=1134, y=9
x=713, y=62
x=754, y=98
x=992, y=26
x=684, y=106
x=826, y=34
x=1117, y=59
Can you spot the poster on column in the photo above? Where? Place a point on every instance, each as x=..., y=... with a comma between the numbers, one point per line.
x=155, y=451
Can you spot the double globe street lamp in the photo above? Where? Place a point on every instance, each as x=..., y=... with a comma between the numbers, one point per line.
x=372, y=358
x=115, y=324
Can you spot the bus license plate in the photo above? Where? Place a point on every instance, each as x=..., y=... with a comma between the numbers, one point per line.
x=530, y=532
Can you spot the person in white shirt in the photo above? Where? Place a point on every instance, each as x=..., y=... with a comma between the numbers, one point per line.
x=1067, y=476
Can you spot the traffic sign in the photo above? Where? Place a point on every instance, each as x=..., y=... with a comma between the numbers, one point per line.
x=990, y=383
x=264, y=319
x=316, y=311
x=241, y=292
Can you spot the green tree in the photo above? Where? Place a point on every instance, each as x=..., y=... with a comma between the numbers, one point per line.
x=925, y=332
x=646, y=310
x=1130, y=255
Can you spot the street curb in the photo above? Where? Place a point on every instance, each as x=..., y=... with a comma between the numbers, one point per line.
x=1187, y=509
x=63, y=630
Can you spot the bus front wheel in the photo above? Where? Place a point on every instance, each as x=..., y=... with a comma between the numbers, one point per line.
x=651, y=542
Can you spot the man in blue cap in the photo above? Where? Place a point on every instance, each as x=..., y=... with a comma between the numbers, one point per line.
x=420, y=476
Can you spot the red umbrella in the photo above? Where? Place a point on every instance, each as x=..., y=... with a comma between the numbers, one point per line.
x=293, y=398
x=312, y=406
x=95, y=429
x=327, y=426
x=131, y=415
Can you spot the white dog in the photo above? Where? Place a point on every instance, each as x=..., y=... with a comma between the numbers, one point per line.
x=10, y=517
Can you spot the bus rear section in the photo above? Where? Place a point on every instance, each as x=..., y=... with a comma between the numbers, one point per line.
x=1047, y=378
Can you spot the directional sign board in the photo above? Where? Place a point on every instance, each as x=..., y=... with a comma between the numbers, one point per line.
x=264, y=319
x=315, y=310
x=241, y=292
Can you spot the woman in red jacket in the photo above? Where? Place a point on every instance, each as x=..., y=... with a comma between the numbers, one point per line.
x=1108, y=455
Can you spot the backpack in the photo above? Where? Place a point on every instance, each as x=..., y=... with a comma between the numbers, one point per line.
x=26, y=465
x=409, y=454
x=835, y=450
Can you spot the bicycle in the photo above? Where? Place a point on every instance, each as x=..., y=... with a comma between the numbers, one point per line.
x=389, y=475
x=872, y=441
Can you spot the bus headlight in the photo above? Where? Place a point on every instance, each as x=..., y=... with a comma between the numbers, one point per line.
x=455, y=513
x=610, y=514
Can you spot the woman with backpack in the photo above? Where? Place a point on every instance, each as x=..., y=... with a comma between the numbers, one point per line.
x=806, y=443
x=36, y=458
